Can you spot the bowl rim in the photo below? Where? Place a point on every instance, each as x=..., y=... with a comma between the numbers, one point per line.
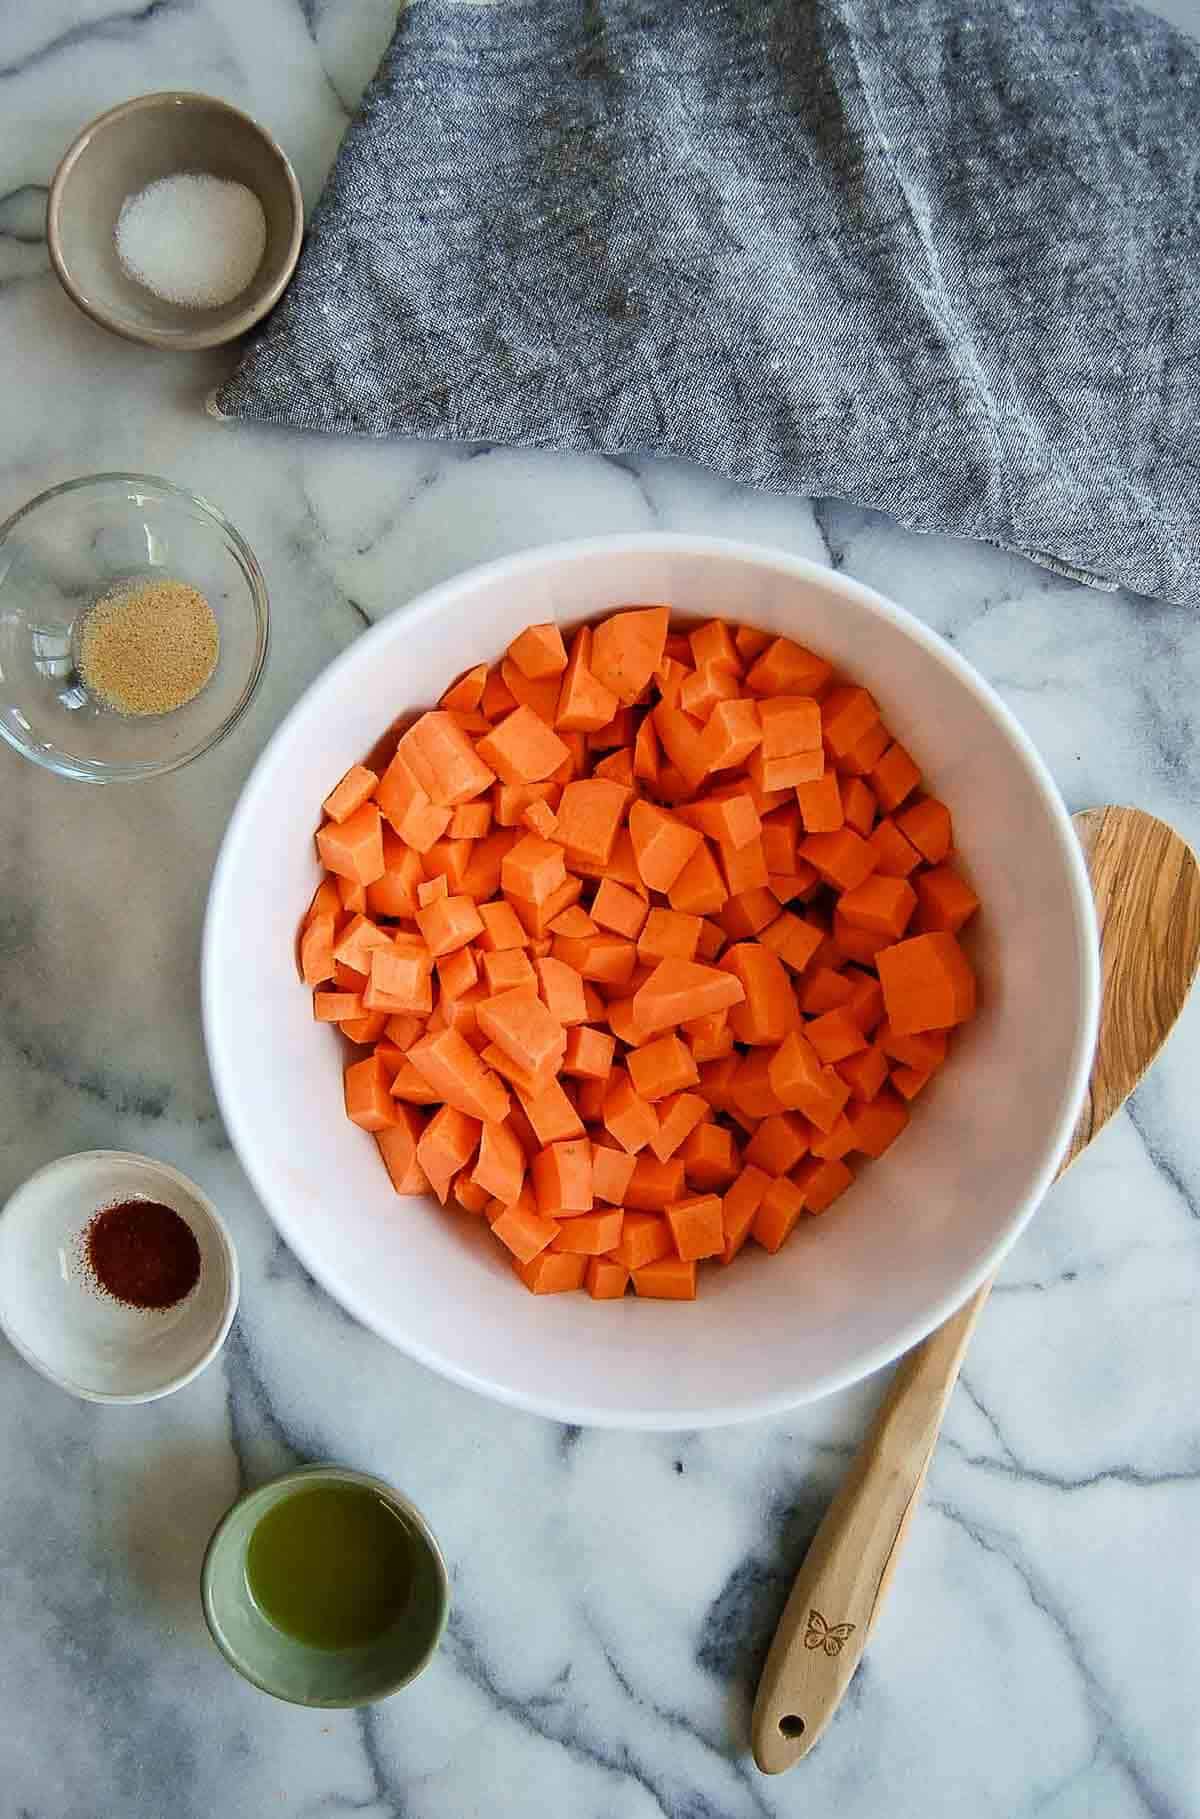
x=800, y=568
x=258, y=593
x=334, y=1474
x=189, y=341
x=224, y=1245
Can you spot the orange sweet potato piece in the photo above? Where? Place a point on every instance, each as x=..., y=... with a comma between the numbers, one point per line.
x=778, y=1143
x=847, y=713
x=896, y=856
x=457, y=1074
x=710, y=1157
x=612, y=1171
x=945, y=900
x=925, y=1050
x=562, y=1178
x=466, y=695
x=369, y=1103
x=365, y=1029
x=865, y=1003
x=751, y=1094
x=398, y=1148
x=589, y=1053
x=443, y=761
x=732, y=819
x=666, y=1279
x=605, y=1279
x=927, y=824
x=713, y=643
x=778, y=1211
x=865, y=1072
x=668, y=933
x=533, y=870
x=509, y=970
x=401, y=979
x=699, y=890
x=876, y=1124
x=628, y=1117
x=697, y=1227
x=525, y=1233
x=502, y=928
x=661, y=1067
x=821, y=804
x=551, y=1114
x=749, y=913
x=662, y=844
x=767, y=1009
x=786, y=668
x=825, y=989
x=457, y=973
x=619, y=909
x=500, y=1165
x=561, y=991
x=521, y=1025
x=316, y=951
x=881, y=906
x=928, y=983
x=790, y=724
x=408, y=807
x=862, y=758
x=742, y=1200
x=589, y=814
x=821, y=1182
x=551, y=1272
x=584, y=703
x=732, y=733
x=793, y=939
x=538, y=652
x=843, y=859
x=858, y=805
x=678, y=989
x=353, y=848
x=678, y=1117
x=446, y=1145
x=627, y=649
x=654, y=1184
x=894, y=778
x=522, y=748
x=591, y=1234
x=395, y=893
x=355, y=788
x=803, y=1083
x=645, y=1237
x=448, y=924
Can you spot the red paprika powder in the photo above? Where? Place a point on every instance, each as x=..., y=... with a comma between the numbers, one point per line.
x=142, y=1253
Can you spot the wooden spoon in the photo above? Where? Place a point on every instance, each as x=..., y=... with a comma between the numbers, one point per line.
x=1147, y=889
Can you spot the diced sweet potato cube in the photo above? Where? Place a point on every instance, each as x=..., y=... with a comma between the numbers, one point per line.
x=533, y=870
x=508, y=971
x=661, y=1067
x=862, y=758
x=466, y=694
x=584, y=703
x=446, y=1145
x=821, y=804
x=561, y=991
x=927, y=983
x=500, y=1165
x=767, y=1010
x=732, y=733
x=668, y=933
x=551, y=1115
x=619, y=909
x=793, y=939
x=778, y=1211
x=835, y=1035
x=395, y=893
x=628, y=1117
x=627, y=649
x=678, y=1117
x=398, y=1148
x=562, y=1178
x=369, y=1103
x=443, y=761
x=589, y=1053
x=606, y=1280
x=666, y=1279
x=662, y=845
x=415, y=818
x=612, y=1171
x=864, y=1073
x=843, y=859
x=539, y=652
x=521, y=1025
x=448, y=924
x=749, y=913
x=551, y=1272
x=522, y=748
x=847, y=712
x=821, y=1182
x=501, y=928
x=316, y=951
x=803, y=1083
x=588, y=816
x=742, y=1200
x=591, y=1234
x=697, y=1226
x=778, y=1143
x=894, y=778
x=644, y=1238
x=946, y=901
x=525, y=1234
x=354, y=848
x=355, y=788
x=678, y=989
x=710, y=1157
x=401, y=980
x=457, y=972
x=699, y=889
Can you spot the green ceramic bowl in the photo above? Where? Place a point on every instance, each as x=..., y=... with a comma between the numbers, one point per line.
x=278, y=1663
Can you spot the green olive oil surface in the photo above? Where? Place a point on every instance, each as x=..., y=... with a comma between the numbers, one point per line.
x=331, y=1566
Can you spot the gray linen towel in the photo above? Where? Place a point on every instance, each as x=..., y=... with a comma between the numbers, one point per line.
x=939, y=259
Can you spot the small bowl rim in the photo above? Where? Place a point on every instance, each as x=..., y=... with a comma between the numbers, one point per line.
x=189, y=341
x=340, y=1474
x=225, y=1245
x=262, y=608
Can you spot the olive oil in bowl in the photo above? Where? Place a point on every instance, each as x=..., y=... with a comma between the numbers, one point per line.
x=325, y=1587
x=331, y=1566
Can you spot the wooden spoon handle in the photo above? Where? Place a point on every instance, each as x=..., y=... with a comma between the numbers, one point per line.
x=824, y=1628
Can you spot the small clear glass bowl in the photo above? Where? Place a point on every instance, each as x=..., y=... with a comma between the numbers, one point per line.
x=61, y=553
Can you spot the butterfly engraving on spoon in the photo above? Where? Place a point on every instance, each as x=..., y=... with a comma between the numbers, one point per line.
x=829, y=1636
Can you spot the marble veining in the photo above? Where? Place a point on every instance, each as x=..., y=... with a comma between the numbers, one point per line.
x=613, y=1594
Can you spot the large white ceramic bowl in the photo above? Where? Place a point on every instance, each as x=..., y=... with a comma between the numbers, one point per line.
x=919, y=1229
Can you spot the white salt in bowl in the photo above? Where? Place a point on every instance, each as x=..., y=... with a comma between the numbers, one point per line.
x=139, y=143
x=849, y=1291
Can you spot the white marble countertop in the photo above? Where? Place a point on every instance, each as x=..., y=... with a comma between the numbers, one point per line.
x=1040, y=1652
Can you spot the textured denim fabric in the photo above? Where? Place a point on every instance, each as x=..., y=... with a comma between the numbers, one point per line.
x=939, y=258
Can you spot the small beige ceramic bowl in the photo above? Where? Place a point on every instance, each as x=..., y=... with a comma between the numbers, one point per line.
x=138, y=143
